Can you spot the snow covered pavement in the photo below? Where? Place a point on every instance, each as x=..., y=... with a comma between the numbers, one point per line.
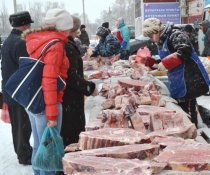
x=8, y=160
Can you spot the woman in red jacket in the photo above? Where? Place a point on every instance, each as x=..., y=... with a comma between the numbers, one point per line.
x=58, y=23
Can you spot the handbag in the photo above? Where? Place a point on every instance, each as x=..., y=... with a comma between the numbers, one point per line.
x=50, y=151
x=5, y=113
x=24, y=86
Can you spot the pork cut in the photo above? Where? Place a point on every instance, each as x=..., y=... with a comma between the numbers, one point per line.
x=107, y=137
x=185, y=132
x=88, y=165
x=136, y=84
x=92, y=164
x=189, y=157
x=114, y=119
x=94, y=125
x=136, y=151
x=165, y=141
x=137, y=122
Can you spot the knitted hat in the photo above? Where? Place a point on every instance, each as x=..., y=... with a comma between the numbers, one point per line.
x=82, y=26
x=102, y=31
x=76, y=22
x=106, y=25
x=152, y=26
x=20, y=19
x=188, y=28
x=120, y=20
x=59, y=18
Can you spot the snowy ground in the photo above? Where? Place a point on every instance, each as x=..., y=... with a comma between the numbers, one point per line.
x=8, y=160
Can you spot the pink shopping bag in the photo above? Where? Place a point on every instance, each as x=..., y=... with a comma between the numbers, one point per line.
x=5, y=113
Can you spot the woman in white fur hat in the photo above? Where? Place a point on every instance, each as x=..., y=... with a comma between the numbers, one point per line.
x=57, y=25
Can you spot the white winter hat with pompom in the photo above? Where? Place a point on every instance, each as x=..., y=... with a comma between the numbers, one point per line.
x=59, y=18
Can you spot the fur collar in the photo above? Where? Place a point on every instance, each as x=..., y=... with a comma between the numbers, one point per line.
x=29, y=31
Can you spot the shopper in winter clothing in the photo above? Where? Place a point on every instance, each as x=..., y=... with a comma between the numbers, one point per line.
x=125, y=34
x=108, y=45
x=76, y=87
x=193, y=35
x=187, y=77
x=82, y=49
x=13, y=48
x=106, y=25
x=205, y=26
x=57, y=25
x=84, y=38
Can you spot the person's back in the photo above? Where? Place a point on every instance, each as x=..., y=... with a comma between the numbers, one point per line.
x=106, y=25
x=206, y=30
x=84, y=36
x=83, y=49
x=125, y=34
x=13, y=48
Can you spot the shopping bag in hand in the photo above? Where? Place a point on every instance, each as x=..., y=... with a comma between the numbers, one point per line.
x=5, y=113
x=50, y=152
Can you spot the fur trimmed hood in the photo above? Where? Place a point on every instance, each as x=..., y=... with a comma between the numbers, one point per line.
x=37, y=38
x=29, y=31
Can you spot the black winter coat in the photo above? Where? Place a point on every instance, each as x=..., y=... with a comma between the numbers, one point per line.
x=206, y=31
x=194, y=80
x=84, y=38
x=13, y=48
x=73, y=99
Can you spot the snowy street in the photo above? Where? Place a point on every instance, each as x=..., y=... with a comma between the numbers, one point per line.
x=8, y=161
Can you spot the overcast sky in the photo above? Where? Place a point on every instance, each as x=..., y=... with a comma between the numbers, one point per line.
x=93, y=8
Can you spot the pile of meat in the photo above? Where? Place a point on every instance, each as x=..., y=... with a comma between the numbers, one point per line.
x=93, y=63
x=121, y=68
x=206, y=63
x=136, y=134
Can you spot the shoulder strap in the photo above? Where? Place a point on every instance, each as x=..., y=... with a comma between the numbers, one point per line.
x=47, y=47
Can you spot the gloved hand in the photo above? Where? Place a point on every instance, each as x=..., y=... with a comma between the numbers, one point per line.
x=95, y=92
x=184, y=52
x=94, y=54
x=161, y=67
x=124, y=44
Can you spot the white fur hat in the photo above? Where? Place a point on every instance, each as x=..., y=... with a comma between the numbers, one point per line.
x=59, y=18
x=152, y=25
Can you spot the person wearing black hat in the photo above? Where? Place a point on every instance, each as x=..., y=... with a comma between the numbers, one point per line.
x=13, y=48
x=106, y=25
x=193, y=35
x=84, y=38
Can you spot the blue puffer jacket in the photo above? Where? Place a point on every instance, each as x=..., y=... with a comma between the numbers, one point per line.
x=125, y=34
x=13, y=48
x=110, y=46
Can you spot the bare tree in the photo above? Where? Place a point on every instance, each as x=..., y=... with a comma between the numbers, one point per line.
x=38, y=10
x=120, y=8
x=4, y=19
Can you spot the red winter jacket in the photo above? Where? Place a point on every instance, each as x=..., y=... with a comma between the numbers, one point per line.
x=119, y=37
x=56, y=64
